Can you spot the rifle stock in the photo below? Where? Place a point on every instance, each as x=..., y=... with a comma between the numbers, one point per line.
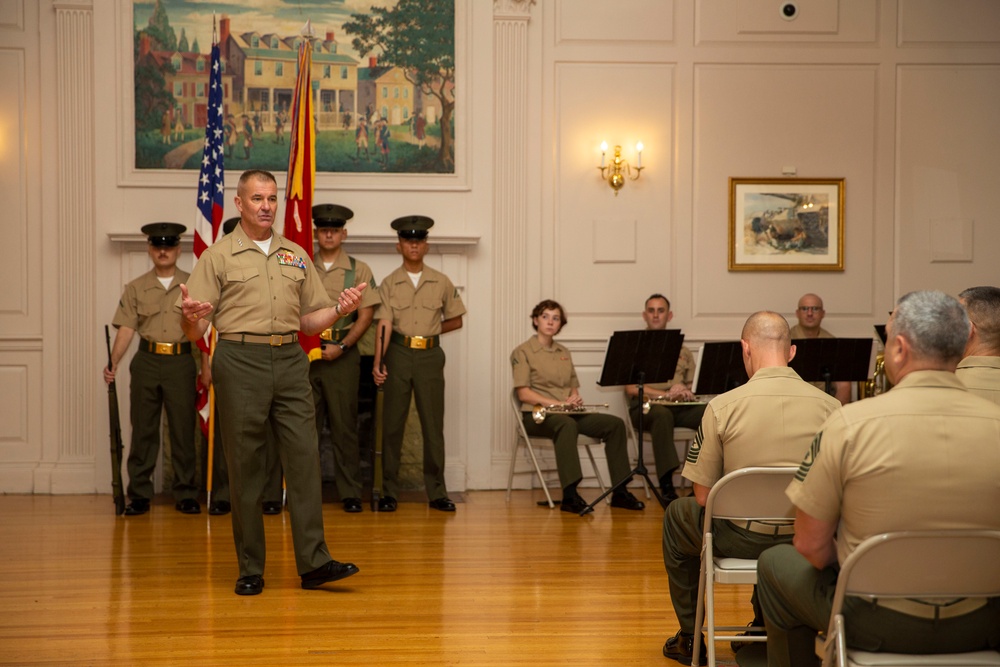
x=116, y=436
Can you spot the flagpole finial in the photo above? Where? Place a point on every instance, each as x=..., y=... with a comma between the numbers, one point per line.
x=307, y=30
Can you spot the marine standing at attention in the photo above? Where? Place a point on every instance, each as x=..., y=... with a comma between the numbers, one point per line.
x=336, y=373
x=418, y=305
x=163, y=373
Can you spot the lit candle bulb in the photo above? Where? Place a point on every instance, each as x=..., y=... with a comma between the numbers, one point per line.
x=638, y=147
x=604, y=149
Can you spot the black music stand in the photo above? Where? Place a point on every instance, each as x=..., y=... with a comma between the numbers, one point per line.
x=721, y=368
x=880, y=330
x=830, y=360
x=635, y=357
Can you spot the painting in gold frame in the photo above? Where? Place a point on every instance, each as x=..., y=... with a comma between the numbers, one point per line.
x=786, y=224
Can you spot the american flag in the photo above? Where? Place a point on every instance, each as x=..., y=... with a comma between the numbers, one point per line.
x=211, y=181
x=211, y=192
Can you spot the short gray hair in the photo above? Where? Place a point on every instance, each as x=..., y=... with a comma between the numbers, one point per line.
x=935, y=324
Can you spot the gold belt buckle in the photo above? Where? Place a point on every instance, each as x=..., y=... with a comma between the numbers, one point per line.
x=418, y=342
x=327, y=334
x=164, y=348
x=276, y=340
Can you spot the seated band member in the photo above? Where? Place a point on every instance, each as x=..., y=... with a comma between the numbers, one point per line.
x=979, y=370
x=544, y=375
x=810, y=314
x=769, y=421
x=923, y=456
x=661, y=419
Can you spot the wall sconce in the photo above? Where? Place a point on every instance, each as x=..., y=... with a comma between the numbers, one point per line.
x=616, y=171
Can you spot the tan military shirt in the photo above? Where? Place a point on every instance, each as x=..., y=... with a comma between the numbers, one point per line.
x=683, y=375
x=925, y=455
x=256, y=293
x=981, y=375
x=798, y=332
x=333, y=281
x=418, y=311
x=547, y=370
x=769, y=421
x=149, y=309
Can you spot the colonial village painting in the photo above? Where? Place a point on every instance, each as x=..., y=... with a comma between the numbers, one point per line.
x=383, y=82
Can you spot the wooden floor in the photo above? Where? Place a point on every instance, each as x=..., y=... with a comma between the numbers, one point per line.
x=492, y=584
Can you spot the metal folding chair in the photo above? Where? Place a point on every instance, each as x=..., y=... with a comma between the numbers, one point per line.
x=750, y=494
x=928, y=565
x=523, y=438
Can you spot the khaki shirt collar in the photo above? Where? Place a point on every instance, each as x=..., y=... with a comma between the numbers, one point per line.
x=343, y=262
x=980, y=362
x=774, y=372
x=241, y=242
x=945, y=379
x=536, y=346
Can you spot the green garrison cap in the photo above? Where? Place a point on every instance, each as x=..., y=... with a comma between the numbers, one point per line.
x=331, y=215
x=164, y=233
x=229, y=225
x=412, y=226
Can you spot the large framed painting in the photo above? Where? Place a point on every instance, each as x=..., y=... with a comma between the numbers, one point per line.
x=786, y=224
x=385, y=78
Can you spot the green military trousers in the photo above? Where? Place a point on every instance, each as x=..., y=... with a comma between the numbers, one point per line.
x=259, y=387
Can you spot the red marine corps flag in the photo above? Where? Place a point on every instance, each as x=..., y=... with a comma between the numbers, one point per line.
x=302, y=167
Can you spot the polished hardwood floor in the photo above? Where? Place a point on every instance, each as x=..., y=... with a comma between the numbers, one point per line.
x=492, y=584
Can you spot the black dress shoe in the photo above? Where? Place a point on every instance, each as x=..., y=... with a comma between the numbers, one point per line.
x=219, y=507
x=188, y=506
x=625, y=500
x=574, y=504
x=137, y=506
x=272, y=507
x=252, y=584
x=680, y=647
x=352, y=505
x=387, y=504
x=332, y=571
x=442, y=504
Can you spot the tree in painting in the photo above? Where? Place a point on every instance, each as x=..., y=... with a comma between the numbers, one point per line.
x=418, y=37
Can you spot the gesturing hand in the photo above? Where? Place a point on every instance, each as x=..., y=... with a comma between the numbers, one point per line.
x=192, y=310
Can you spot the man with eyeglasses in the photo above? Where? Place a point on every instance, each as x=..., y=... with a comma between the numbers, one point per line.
x=810, y=314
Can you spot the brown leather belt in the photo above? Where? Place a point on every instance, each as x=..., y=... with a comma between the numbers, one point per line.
x=929, y=609
x=172, y=349
x=274, y=340
x=764, y=528
x=416, y=342
x=334, y=335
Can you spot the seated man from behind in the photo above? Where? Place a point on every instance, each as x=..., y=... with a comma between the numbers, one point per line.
x=979, y=370
x=769, y=421
x=925, y=455
x=662, y=419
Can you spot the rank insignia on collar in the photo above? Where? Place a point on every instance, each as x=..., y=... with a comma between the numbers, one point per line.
x=290, y=259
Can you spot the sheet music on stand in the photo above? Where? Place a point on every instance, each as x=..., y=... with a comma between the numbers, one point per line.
x=832, y=359
x=653, y=353
x=720, y=368
x=638, y=357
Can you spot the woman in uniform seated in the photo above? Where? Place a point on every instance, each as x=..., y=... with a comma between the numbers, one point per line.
x=544, y=375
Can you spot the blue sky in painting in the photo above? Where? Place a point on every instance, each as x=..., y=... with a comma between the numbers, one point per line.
x=284, y=17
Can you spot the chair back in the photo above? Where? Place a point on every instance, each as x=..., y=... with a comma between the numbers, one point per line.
x=923, y=564
x=756, y=493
